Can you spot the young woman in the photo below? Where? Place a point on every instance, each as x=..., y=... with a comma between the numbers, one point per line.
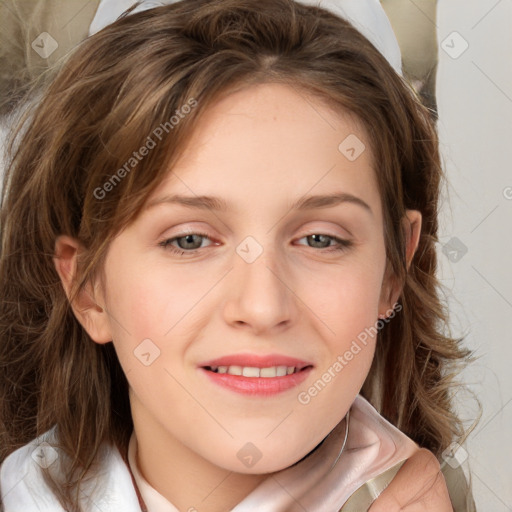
x=218, y=249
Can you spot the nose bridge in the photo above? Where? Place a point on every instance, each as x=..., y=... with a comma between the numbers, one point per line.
x=259, y=294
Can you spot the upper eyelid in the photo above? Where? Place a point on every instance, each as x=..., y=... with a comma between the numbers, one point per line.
x=309, y=231
x=198, y=232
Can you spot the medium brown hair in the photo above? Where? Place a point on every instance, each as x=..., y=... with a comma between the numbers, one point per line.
x=106, y=99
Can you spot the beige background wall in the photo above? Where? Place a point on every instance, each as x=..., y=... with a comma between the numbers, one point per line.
x=471, y=41
x=474, y=95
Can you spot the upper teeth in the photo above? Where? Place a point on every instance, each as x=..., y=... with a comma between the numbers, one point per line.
x=251, y=371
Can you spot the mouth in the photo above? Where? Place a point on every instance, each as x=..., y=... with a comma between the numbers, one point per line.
x=251, y=374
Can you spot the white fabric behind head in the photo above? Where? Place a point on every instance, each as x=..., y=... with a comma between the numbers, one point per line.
x=367, y=16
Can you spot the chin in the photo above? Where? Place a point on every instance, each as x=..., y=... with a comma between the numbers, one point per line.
x=250, y=460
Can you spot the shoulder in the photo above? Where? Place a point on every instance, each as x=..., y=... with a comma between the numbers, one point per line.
x=23, y=488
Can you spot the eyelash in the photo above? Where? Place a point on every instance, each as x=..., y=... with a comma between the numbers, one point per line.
x=343, y=245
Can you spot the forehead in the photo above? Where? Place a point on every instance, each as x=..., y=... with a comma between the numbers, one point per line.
x=271, y=140
x=298, y=112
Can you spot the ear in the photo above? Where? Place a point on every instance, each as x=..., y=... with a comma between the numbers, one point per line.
x=92, y=317
x=391, y=289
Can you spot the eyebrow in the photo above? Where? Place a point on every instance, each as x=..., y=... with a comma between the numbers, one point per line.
x=304, y=203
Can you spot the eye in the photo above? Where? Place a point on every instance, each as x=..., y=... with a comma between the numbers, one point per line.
x=188, y=243
x=320, y=240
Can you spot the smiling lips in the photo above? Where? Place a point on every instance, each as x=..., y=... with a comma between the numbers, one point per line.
x=256, y=375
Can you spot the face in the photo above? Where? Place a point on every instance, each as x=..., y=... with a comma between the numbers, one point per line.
x=262, y=277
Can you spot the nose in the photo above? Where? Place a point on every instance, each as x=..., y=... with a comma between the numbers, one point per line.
x=260, y=295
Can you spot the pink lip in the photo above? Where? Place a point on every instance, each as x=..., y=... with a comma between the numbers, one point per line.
x=256, y=361
x=263, y=386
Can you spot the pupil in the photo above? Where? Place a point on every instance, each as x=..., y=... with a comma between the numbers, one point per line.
x=317, y=237
x=189, y=239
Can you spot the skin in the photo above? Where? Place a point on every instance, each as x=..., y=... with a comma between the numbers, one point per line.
x=419, y=486
x=259, y=149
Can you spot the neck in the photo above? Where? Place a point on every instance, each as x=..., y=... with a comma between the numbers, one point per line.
x=183, y=477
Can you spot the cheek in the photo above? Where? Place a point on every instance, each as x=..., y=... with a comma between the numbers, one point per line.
x=350, y=310
x=133, y=304
x=148, y=300
x=346, y=299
